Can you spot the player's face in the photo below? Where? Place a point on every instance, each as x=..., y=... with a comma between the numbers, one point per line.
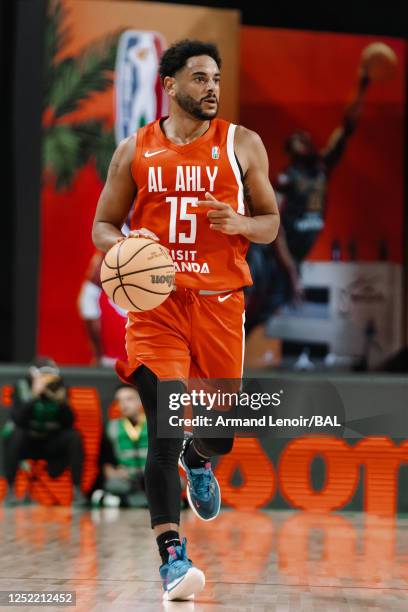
x=197, y=87
x=302, y=145
x=129, y=402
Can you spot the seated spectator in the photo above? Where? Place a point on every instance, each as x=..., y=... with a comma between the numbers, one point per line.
x=41, y=427
x=123, y=454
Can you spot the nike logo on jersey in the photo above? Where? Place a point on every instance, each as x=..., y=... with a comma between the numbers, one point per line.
x=148, y=154
x=222, y=298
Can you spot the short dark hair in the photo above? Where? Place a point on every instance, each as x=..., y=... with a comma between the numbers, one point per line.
x=176, y=56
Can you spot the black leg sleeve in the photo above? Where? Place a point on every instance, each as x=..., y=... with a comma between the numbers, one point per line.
x=162, y=479
x=213, y=446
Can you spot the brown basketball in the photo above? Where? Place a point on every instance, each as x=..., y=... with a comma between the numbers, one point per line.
x=137, y=274
x=380, y=61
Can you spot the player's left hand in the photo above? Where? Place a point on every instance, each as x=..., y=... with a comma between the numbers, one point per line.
x=222, y=217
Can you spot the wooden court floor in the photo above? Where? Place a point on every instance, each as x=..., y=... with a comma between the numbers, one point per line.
x=255, y=560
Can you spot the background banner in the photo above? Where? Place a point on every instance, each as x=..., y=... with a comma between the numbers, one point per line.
x=328, y=292
x=100, y=86
x=330, y=287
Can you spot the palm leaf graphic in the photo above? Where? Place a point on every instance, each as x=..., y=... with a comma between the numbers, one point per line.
x=61, y=154
x=68, y=145
x=56, y=37
x=77, y=79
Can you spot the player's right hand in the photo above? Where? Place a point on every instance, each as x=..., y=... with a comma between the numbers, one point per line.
x=140, y=233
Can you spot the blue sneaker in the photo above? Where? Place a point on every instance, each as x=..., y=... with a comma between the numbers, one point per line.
x=181, y=580
x=203, y=490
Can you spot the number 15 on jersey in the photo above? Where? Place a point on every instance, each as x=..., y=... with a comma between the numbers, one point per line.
x=178, y=211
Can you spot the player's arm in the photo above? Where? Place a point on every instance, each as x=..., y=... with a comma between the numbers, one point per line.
x=88, y=304
x=263, y=223
x=280, y=245
x=284, y=256
x=116, y=198
x=338, y=139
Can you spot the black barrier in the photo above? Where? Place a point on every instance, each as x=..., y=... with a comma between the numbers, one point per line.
x=364, y=466
x=283, y=407
x=257, y=407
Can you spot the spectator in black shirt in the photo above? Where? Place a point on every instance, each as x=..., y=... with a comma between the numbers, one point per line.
x=41, y=427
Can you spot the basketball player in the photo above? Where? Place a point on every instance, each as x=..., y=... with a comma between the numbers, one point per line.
x=301, y=190
x=201, y=188
x=104, y=321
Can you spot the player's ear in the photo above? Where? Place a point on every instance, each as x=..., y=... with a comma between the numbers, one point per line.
x=169, y=85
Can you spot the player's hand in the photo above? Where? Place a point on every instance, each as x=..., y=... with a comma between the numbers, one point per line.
x=140, y=233
x=222, y=217
x=296, y=288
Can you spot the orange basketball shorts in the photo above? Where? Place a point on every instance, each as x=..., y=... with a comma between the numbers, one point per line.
x=188, y=336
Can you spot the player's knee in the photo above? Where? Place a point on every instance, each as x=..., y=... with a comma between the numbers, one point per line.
x=213, y=446
x=165, y=451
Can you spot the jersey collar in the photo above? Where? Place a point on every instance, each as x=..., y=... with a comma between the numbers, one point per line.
x=183, y=148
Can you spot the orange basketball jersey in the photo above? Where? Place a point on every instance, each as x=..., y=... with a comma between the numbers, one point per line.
x=170, y=179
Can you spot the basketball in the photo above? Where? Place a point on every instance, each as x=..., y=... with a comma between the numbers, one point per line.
x=137, y=274
x=379, y=61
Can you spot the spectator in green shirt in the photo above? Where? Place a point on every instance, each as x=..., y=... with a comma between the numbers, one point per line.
x=123, y=453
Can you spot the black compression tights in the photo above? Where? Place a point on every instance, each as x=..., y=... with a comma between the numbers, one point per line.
x=162, y=480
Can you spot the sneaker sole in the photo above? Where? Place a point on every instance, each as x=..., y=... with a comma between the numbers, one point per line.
x=191, y=503
x=192, y=583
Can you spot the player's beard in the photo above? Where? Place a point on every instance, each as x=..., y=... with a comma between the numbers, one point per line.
x=194, y=108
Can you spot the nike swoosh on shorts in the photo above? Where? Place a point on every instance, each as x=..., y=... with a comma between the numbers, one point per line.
x=148, y=154
x=222, y=298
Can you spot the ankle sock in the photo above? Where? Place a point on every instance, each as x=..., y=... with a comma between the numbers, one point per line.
x=166, y=539
x=193, y=459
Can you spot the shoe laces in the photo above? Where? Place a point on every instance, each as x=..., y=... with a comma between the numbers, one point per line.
x=202, y=479
x=178, y=554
